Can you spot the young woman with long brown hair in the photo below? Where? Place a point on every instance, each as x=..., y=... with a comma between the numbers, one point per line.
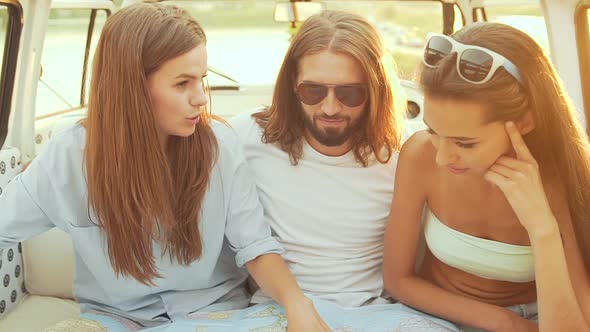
x=154, y=192
x=501, y=181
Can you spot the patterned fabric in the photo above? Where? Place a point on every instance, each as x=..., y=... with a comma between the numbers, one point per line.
x=529, y=311
x=77, y=325
x=270, y=317
x=12, y=286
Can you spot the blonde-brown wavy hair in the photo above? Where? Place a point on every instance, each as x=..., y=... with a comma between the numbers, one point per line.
x=141, y=191
x=558, y=141
x=380, y=133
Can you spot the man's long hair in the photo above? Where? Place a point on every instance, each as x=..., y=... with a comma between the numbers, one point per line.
x=340, y=32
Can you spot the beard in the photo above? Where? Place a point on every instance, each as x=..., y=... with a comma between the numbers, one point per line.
x=331, y=136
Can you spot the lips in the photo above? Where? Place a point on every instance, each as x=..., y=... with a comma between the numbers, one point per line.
x=194, y=117
x=456, y=170
x=331, y=119
x=329, y=122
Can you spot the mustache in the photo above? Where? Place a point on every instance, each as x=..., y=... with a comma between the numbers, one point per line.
x=324, y=116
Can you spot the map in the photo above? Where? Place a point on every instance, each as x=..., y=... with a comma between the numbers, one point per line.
x=270, y=317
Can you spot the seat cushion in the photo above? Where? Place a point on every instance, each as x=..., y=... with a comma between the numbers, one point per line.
x=49, y=272
x=36, y=313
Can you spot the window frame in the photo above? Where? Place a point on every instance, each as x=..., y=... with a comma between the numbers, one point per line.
x=11, y=48
x=582, y=27
x=85, y=68
x=89, y=35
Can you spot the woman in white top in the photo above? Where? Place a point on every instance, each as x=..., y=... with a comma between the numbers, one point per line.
x=155, y=193
x=502, y=179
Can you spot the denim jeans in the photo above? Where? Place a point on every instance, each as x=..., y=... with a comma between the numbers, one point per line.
x=528, y=311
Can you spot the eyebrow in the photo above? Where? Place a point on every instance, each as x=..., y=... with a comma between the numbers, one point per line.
x=458, y=138
x=339, y=84
x=184, y=75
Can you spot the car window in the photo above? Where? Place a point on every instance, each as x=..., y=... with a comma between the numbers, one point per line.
x=246, y=43
x=403, y=26
x=3, y=31
x=582, y=22
x=62, y=60
x=528, y=18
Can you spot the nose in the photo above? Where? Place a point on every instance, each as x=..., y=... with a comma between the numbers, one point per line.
x=199, y=96
x=445, y=154
x=331, y=105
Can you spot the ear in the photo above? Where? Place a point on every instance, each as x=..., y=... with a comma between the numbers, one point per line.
x=526, y=123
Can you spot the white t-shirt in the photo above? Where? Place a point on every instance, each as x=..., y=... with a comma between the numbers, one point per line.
x=329, y=213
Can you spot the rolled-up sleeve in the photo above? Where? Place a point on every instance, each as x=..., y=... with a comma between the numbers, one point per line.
x=246, y=230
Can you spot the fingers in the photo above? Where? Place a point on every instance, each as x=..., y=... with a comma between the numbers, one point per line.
x=507, y=172
x=522, y=151
x=526, y=167
x=498, y=179
x=511, y=162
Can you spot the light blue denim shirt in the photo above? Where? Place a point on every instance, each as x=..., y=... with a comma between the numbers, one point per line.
x=53, y=192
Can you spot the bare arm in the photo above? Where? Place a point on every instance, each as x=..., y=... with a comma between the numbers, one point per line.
x=401, y=243
x=559, y=309
x=272, y=274
x=249, y=235
x=563, y=290
x=285, y=293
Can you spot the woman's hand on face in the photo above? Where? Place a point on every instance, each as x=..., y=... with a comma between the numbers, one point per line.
x=520, y=181
x=302, y=317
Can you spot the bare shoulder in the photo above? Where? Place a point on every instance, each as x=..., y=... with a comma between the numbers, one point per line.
x=418, y=153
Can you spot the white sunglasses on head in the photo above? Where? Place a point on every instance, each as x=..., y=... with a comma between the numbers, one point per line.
x=475, y=64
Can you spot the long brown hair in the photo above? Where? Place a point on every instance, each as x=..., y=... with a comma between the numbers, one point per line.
x=140, y=191
x=350, y=34
x=558, y=141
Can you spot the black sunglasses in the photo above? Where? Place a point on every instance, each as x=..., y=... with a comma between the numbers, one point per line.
x=351, y=95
